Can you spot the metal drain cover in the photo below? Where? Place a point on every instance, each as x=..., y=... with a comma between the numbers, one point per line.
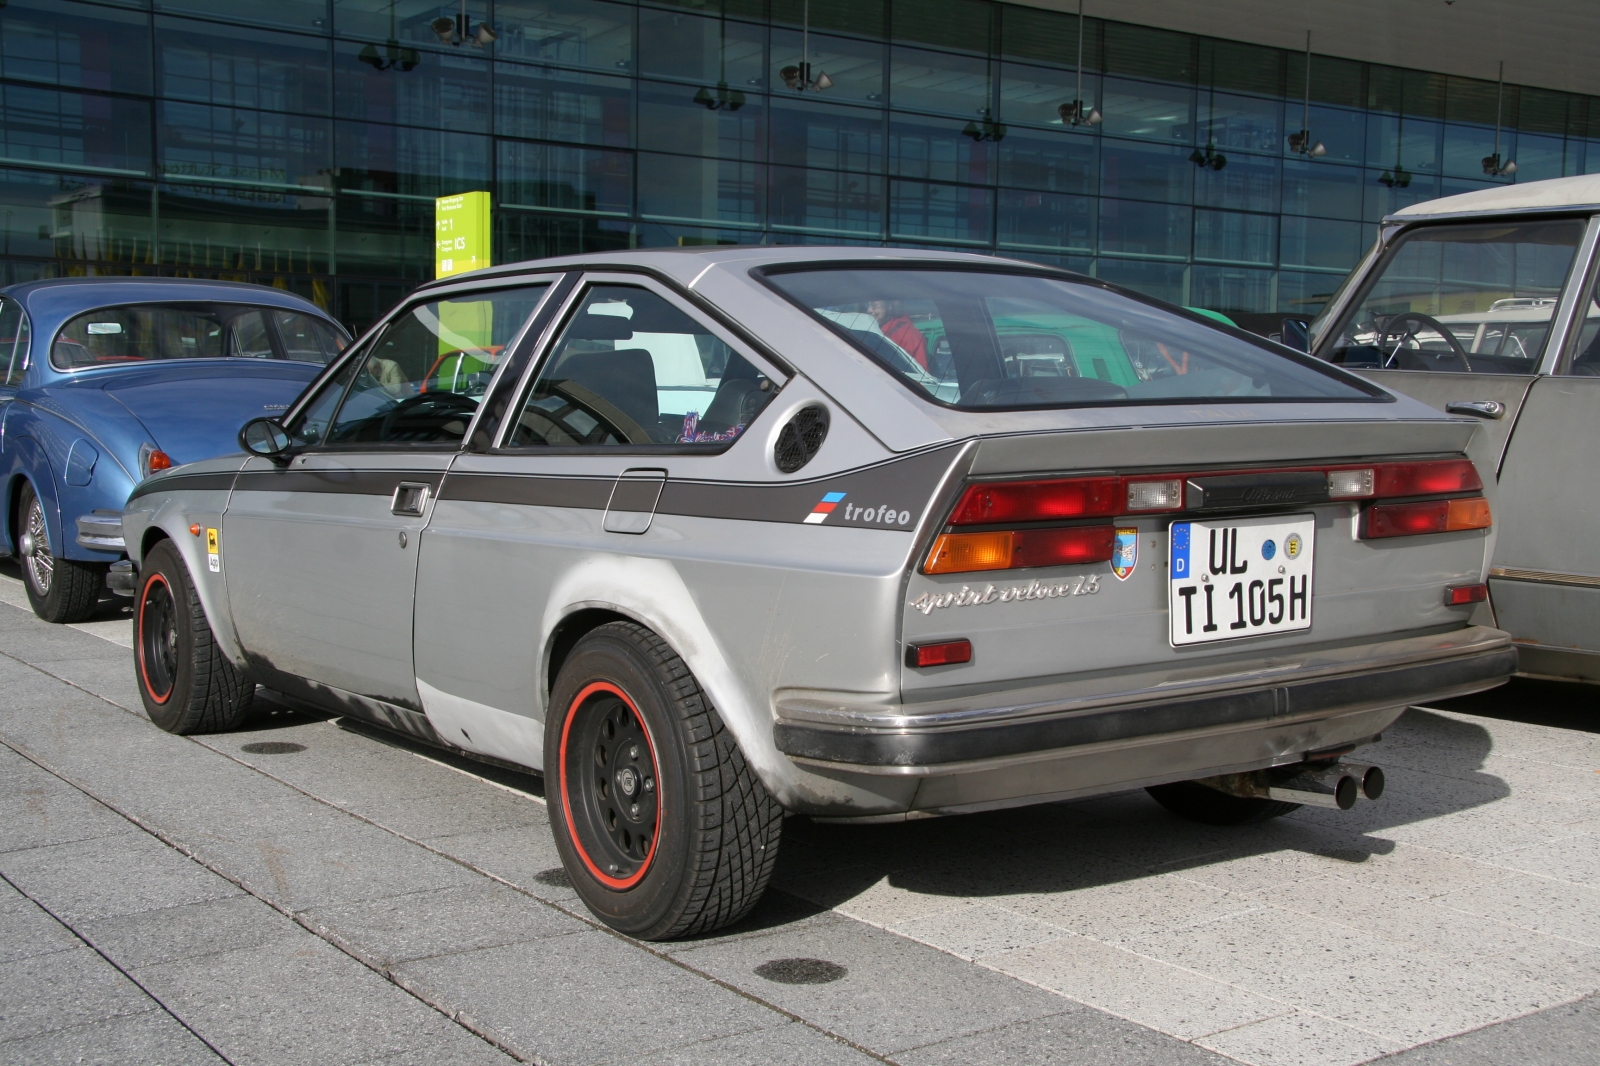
x=273, y=747
x=801, y=971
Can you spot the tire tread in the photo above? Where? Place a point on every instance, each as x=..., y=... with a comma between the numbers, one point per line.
x=220, y=694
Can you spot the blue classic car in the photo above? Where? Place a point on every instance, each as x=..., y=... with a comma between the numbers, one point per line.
x=108, y=380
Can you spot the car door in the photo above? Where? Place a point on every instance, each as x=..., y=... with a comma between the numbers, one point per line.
x=634, y=387
x=320, y=554
x=1545, y=583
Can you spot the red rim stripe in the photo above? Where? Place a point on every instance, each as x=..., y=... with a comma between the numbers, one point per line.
x=588, y=690
x=144, y=670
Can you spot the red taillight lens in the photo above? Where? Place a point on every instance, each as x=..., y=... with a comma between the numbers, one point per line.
x=958, y=553
x=1038, y=501
x=1457, y=595
x=1427, y=479
x=945, y=653
x=1431, y=516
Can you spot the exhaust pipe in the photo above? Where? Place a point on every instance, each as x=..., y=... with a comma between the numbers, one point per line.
x=1337, y=786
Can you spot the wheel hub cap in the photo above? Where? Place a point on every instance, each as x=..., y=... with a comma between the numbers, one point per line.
x=609, y=779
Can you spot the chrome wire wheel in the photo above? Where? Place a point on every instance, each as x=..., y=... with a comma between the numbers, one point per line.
x=158, y=639
x=37, y=561
x=609, y=785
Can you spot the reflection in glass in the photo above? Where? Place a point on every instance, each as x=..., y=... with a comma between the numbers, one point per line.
x=955, y=213
x=209, y=63
x=566, y=178
x=574, y=33
x=58, y=42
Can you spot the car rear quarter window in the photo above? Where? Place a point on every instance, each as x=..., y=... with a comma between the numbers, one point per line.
x=305, y=339
x=989, y=339
x=13, y=342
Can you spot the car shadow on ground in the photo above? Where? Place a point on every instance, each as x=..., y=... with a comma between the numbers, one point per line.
x=1435, y=768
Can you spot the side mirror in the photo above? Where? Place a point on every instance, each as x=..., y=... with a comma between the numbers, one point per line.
x=1296, y=334
x=267, y=438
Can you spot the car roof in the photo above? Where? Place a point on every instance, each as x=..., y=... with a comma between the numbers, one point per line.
x=1553, y=194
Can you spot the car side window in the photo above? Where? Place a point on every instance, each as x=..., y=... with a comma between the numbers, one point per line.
x=13, y=341
x=1585, y=339
x=312, y=422
x=250, y=338
x=307, y=340
x=630, y=368
x=423, y=377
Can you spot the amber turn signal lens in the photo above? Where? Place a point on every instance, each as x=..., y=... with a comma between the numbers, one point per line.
x=1471, y=513
x=159, y=460
x=956, y=553
x=1430, y=516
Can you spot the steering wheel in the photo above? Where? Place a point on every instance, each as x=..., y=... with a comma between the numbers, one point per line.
x=1413, y=320
x=436, y=404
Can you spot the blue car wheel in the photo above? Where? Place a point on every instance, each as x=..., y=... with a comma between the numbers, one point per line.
x=59, y=589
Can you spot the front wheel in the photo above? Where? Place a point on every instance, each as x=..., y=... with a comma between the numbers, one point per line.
x=662, y=826
x=186, y=683
x=1198, y=803
x=60, y=590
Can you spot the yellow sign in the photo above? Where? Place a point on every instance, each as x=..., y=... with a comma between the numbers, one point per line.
x=462, y=235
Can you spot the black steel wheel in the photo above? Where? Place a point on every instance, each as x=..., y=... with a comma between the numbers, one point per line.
x=662, y=827
x=185, y=682
x=60, y=590
x=1198, y=803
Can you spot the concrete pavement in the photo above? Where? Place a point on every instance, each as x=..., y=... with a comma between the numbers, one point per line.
x=309, y=892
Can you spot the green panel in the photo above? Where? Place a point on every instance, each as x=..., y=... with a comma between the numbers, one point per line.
x=861, y=18
x=1243, y=67
x=462, y=234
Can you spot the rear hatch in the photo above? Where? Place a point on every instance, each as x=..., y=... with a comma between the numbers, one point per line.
x=1289, y=566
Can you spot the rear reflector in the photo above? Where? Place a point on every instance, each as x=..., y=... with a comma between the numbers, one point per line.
x=1431, y=516
x=1155, y=495
x=957, y=553
x=999, y=502
x=945, y=653
x=1456, y=595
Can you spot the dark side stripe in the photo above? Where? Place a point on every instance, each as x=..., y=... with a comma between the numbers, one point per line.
x=347, y=482
x=184, y=483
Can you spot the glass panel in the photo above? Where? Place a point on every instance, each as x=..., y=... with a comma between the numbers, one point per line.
x=1320, y=242
x=558, y=105
x=1312, y=187
x=978, y=340
x=682, y=187
x=240, y=229
x=315, y=416
x=811, y=133
x=1144, y=229
x=381, y=237
x=1246, y=182
x=75, y=45
x=940, y=212
x=1036, y=160
x=1164, y=281
x=422, y=379
x=672, y=119
x=1228, y=289
x=407, y=22
x=309, y=16
x=306, y=339
x=212, y=64
x=1305, y=294
x=20, y=360
x=1412, y=144
x=1585, y=346
x=823, y=200
x=1538, y=156
x=631, y=368
x=79, y=129
x=1034, y=95
x=549, y=175
x=444, y=90
x=10, y=326
x=673, y=44
x=1241, y=123
x=575, y=33
x=855, y=67
x=938, y=150
x=1146, y=171
x=1235, y=237
x=1151, y=112
x=1046, y=220
x=1461, y=298
x=1343, y=132
x=264, y=147
x=939, y=81
x=413, y=162
x=141, y=332
x=1388, y=191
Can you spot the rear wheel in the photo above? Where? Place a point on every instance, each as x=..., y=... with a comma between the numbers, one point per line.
x=1198, y=803
x=60, y=590
x=186, y=683
x=662, y=826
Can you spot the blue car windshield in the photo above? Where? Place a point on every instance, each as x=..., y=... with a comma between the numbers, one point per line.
x=987, y=339
x=147, y=332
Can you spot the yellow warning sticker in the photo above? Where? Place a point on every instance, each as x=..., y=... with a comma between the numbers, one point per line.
x=211, y=540
x=213, y=558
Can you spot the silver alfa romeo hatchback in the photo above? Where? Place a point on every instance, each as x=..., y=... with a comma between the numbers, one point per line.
x=707, y=537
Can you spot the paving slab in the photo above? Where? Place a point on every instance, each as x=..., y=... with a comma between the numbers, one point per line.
x=1072, y=1038
x=62, y=989
x=153, y=1037
x=114, y=875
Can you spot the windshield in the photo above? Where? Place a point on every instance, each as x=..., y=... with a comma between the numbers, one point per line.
x=978, y=340
x=1461, y=298
x=144, y=332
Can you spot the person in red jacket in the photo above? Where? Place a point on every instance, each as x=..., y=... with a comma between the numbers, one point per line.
x=900, y=329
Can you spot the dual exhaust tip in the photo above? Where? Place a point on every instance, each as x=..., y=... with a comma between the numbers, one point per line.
x=1338, y=785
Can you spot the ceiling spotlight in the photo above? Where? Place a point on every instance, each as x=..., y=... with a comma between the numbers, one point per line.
x=483, y=35
x=1078, y=113
x=1400, y=178
x=1494, y=168
x=393, y=57
x=445, y=27
x=1302, y=143
x=987, y=130
x=1208, y=159
x=798, y=77
x=720, y=99
x=458, y=31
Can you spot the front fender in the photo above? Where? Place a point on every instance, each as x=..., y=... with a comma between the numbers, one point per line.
x=26, y=460
x=170, y=515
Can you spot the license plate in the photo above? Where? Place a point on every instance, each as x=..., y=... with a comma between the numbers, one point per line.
x=1240, y=577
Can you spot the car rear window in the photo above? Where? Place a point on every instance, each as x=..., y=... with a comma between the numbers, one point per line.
x=979, y=340
x=143, y=332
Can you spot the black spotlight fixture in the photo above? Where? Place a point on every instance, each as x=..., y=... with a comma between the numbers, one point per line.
x=1076, y=112
x=797, y=76
x=1398, y=178
x=1209, y=159
x=987, y=130
x=1300, y=141
x=1492, y=165
x=459, y=30
x=721, y=98
x=393, y=56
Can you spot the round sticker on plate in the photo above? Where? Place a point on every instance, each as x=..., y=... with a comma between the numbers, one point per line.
x=1268, y=549
x=1291, y=547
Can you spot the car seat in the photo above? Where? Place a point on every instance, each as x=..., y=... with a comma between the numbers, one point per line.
x=626, y=378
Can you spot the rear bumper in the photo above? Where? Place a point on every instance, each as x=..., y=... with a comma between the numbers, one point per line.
x=101, y=531
x=951, y=738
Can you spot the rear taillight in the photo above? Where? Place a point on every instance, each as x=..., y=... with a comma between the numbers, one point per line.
x=1435, y=477
x=1459, y=595
x=958, y=553
x=1428, y=516
x=997, y=502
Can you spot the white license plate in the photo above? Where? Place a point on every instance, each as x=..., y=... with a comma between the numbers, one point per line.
x=1240, y=577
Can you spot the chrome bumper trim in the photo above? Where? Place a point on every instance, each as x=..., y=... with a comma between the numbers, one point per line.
x=1544, y=577
x=1420, y=669
x=101, y=531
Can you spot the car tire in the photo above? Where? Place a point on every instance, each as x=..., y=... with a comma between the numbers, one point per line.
x=186, y=683
x=1198, y=803
x=59, y=590
x=661, y=824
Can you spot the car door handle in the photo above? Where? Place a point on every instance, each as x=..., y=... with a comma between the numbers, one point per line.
x=410, y=498
x=1491, y=409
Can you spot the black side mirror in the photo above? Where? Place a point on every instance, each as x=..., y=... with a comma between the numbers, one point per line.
x=267, y=438
x=1296, y=333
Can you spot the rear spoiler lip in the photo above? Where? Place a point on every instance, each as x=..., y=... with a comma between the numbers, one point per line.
x=891, y=739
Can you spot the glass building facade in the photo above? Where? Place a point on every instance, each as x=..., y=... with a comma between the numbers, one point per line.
x=301, y=143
